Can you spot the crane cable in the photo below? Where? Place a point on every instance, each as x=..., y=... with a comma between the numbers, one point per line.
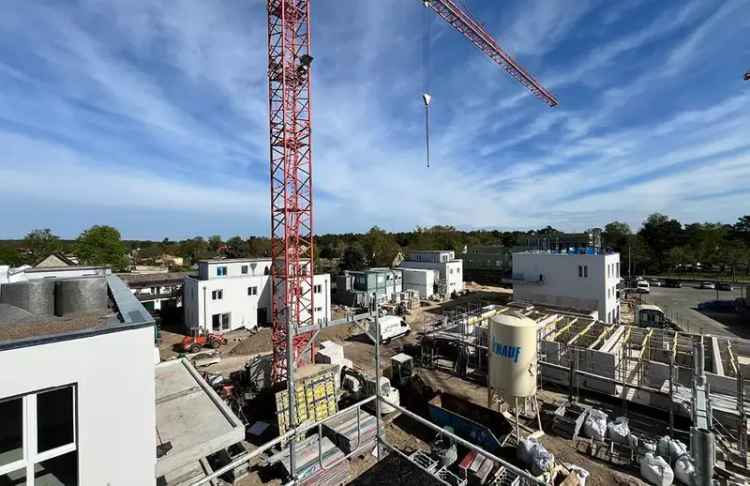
x=426, y=97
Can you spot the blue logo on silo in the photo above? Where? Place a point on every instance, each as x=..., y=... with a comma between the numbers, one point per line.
x=510, y=352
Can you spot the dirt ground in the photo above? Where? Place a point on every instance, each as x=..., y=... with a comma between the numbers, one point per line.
x=403, y=433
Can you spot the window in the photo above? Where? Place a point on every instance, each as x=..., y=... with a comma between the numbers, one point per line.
x=451, y=271
x=38, y=444
x=585, y=271
x=267, y=271
x=318, y=309
x=580, y=271
x=244, y=269
x=221, y=271
x=618, y=269
x=221, y=322
x=217, y=294
x=317, y=288
x=252, y=290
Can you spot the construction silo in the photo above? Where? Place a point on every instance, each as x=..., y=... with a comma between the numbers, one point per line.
x=513, y=359
x=34, y=296
x=513, y=363
x=80, y=295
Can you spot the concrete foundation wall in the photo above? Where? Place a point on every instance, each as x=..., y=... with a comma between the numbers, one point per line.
x=722, y=384
x=114, y=375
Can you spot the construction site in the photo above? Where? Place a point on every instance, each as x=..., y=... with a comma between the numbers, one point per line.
x=472, y=392
x=427, y=380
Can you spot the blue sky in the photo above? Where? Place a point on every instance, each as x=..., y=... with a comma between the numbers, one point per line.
x=152, y=116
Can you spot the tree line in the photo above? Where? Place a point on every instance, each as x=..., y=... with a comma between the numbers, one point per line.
x=662, y=244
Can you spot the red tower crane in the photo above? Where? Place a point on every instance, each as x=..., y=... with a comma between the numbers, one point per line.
x=292, y=249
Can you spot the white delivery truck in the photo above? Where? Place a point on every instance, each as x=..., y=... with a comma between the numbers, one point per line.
x=391, y=327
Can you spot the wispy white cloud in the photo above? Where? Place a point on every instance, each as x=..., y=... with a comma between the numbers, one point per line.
x=166, y=108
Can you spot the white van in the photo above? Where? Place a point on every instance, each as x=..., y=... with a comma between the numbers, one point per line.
x=391, y=327
x=643, y=287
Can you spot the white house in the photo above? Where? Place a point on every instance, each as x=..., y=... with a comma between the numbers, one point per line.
x=232, y=294
x=421, y=280
x=449, y=271
x=583, y=281
x=77, y=397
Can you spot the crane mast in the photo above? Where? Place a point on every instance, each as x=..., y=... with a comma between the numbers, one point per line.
x=292, y=267
x=290, y=120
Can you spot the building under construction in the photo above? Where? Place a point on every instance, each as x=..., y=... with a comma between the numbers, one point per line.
x=649, y=367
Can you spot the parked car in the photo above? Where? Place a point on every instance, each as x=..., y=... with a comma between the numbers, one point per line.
x=673, y=283
x=642, y=287
x=725, y=286
x=707, y=285
x=656, y=283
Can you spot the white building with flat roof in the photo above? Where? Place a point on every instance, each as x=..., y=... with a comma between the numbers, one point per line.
x=582, y=281
x=236, y=293
x=448, y=272
x=77, y=394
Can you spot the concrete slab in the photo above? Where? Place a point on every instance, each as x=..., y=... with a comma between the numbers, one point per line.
x=191, y=416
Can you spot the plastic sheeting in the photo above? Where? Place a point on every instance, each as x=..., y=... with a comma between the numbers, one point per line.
x=578, y=471
x=618, y=431
x=655, y=470
x=595, y=425
x=684, y=470
x=532, y=452
x=670, y=449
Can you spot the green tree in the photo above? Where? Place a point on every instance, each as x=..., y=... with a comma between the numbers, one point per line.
x=10, y=256
x=380, y=247
x=661, y=234
x=616, y=235
x=353, y=258
x=214, y=243
x=259, y=246
x=102, y=245
x=193, y=249
x=741, y=229
x=681, y=256
x=40, y=243
x=237, y=247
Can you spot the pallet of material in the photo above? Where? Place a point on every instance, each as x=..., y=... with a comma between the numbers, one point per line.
x=308, y=464
x=342, y=430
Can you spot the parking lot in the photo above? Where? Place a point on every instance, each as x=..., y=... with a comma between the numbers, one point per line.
x=681, y=305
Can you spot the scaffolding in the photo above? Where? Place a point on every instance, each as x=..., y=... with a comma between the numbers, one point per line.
x=290, y=438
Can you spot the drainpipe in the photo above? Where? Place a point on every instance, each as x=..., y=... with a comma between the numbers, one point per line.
x=205, y=310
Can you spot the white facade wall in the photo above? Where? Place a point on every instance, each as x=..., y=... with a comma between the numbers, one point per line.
x=420, y=280
x=242, y=305
x=450, y=272
x=579, y=281
x=114, y=378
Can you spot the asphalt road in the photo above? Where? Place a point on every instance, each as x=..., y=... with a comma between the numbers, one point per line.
x=681, y=305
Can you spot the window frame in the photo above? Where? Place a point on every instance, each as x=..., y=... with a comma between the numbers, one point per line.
x=252, y=291
x=217, y=294
x=31, y=457
x=244, y=269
